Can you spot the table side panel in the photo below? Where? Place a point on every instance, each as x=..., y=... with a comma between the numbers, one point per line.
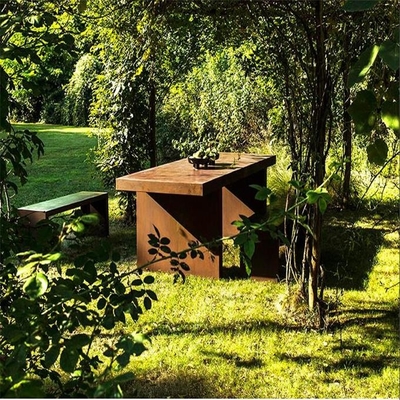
x=239, y=199
x=167, y=213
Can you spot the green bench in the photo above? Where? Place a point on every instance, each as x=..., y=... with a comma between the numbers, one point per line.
x=89, y=202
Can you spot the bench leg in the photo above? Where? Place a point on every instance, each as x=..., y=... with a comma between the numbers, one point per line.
x=99, y=207
x=33, y=216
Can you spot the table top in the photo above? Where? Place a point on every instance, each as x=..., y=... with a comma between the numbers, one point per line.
x=180, y=177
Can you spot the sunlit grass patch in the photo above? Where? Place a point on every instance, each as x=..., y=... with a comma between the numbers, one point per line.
x=64, y=168
x=205, y=340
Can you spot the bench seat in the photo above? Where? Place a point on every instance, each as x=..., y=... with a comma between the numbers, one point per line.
x=89, y=202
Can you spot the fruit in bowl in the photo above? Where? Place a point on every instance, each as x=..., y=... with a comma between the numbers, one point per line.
x=204, y=157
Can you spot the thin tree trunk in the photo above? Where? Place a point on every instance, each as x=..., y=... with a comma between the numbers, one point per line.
x=152, y=125
x=321, y=114
x=347, y=138
x=314, y=270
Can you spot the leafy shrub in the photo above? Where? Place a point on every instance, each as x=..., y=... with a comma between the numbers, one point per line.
x=78, y=93
x=52, y=109
x=16, y=149
x=23, y=106
x=121, y=111
x=219, y=102
x=51, y=318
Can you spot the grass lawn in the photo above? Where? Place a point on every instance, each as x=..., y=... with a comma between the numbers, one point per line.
x=64, y=168
x=227, y=338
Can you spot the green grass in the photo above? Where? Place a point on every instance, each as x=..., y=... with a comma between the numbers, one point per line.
x=63, y=169
x=227, y=338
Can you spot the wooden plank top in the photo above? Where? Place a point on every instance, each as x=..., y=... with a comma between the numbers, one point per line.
x=65, y=201
x=179, y=177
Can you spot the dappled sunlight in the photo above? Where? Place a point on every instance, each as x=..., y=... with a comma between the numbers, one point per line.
x=49, y=128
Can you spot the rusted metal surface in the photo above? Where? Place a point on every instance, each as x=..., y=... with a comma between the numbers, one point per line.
x=182, y=219
x=187, y=204
x=179, y=177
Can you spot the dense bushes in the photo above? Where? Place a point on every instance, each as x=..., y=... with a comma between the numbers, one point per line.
x=51, y=318
x=219, y=102
x=75, y=109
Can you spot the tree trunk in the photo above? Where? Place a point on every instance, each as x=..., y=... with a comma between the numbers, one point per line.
x=315, y=262
x=152, y=124
x=322, y=100
x=347, y=138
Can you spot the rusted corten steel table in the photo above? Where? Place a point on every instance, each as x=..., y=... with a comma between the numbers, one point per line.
x=188, y=204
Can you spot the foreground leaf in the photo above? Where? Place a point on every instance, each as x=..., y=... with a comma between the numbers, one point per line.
x=363, y=111
x=389, y=52
x=69, y=359
x=360, y=69
x=390, y=114
x=36, y=285
x=377, y=152
x=359, y=5
x=26, y=388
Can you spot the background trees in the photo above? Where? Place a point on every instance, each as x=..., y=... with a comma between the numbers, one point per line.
x=37, y=54
x=220, y=102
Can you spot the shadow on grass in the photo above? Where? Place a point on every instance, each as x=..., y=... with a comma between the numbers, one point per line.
x=348, y=255
x=158, y=384
x=237, y=327
x=360, y=359
x=361, y=366
x=355, y=359
x=377, y=323
x=234, y=358
x=123, y=242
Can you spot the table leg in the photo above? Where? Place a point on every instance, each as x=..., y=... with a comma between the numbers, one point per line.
x=239, y=199
x=182, y=219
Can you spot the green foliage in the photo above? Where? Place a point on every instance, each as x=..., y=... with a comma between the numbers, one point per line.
x=320, y=196
x=363, y=111
x=359, y=5
x=219, y=102
x=75, y=108
x=37, y=51
x=16, y=149
x=248, y=227
x=51, y=318
x=389, y=52
x=363, y=65
x=120, y=108
x=380, y=102
x=378, y=152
